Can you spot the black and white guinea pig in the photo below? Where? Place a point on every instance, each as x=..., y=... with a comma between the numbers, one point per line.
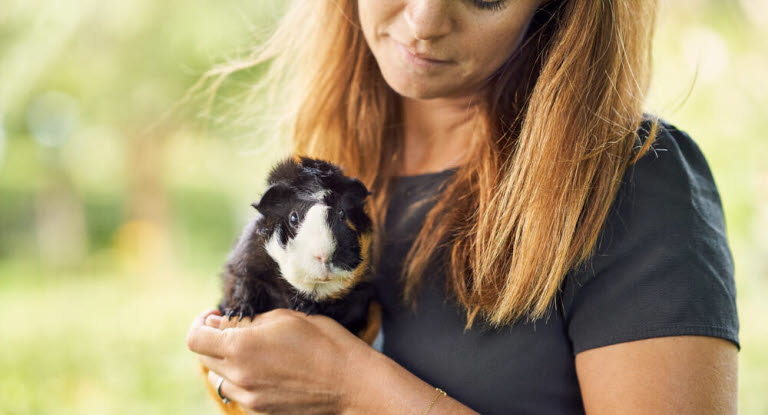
x=308, y=249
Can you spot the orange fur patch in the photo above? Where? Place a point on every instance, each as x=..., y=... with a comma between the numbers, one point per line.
x=362, y=268
x=369, y=333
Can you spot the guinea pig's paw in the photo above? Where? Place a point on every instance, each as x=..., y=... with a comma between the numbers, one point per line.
x=240, y=312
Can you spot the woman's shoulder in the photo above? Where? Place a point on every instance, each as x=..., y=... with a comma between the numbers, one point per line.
x=662, y=265
x=670, y=188
x=673, y=156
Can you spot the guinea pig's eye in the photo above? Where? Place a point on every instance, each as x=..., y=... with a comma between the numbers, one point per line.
x=340, y=214
x=294, y=219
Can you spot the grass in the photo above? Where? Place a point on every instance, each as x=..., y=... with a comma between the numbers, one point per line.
x=100, y=344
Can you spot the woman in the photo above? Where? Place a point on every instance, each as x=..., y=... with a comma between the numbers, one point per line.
x=543, y=248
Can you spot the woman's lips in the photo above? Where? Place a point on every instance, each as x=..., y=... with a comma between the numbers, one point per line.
x=419, y=60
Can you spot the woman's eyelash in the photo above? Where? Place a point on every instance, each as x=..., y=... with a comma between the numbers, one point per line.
x=489, y=5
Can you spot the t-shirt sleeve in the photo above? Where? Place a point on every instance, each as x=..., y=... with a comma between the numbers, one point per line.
x=662, y=265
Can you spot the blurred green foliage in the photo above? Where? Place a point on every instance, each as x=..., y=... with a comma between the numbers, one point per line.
x=114, y=219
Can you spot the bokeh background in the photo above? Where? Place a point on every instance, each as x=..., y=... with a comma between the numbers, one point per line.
x=119, y=199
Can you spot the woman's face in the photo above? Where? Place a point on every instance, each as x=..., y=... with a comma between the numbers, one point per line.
x=442, y=48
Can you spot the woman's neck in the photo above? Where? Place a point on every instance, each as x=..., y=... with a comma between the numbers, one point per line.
x=437, y=133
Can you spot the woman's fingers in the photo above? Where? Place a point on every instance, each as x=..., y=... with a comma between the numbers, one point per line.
x=329, y=326
x=200, y=320
x=276, y=314
x=324, y=322
x=215, y=364
x=228, y=388
x=213, y=320
x=206, y=340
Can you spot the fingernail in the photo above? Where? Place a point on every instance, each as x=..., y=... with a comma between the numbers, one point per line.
x=213, y=321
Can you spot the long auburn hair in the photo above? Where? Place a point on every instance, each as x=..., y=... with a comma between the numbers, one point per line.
x=556, y=132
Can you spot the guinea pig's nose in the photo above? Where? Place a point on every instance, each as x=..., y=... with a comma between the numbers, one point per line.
x=323, y=259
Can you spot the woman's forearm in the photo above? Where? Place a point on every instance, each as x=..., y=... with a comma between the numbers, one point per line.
x=378, y=385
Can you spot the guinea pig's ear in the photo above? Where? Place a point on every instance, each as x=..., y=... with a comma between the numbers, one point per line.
x=356, y=191
x=275, y=196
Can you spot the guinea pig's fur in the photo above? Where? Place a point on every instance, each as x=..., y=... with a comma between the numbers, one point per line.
x=308, y=249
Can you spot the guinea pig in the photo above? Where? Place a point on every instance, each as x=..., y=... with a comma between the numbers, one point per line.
x=308, y=249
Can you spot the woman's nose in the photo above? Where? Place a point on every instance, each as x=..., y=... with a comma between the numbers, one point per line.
x=428, y=19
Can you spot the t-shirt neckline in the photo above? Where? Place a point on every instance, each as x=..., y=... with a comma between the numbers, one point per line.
x=423, y=176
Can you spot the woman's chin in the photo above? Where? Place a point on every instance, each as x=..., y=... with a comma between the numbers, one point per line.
x=423, y=89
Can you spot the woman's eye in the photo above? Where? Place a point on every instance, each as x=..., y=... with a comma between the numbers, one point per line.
x=341, y=214
x=489, y=5
x=294, y=219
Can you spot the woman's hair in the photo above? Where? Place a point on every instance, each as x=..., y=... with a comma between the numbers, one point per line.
x=556, y=132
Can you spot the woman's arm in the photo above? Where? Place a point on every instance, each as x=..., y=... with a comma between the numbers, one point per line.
x=666, y=375
x=287, y=362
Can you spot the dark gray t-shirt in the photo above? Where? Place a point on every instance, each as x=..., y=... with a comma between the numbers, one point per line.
x=662, y=268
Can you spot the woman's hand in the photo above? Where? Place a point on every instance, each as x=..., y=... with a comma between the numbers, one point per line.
x=284, y=362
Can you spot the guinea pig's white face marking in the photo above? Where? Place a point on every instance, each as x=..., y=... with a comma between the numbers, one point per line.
x=304, y=261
